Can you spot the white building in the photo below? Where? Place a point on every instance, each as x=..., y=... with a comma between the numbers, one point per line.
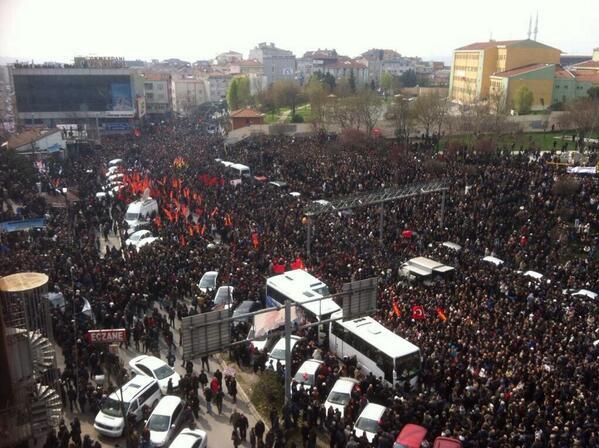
x=190, y=92
x=217, y=85
x=277, y=63
x=158, y=92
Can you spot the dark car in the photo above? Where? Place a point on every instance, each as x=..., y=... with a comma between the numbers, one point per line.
x=245, y=307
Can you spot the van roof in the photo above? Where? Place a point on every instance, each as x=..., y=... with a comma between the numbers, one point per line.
x=132, y=388
x=373, y=411
x=166, y=405
x=239, y=166
x=310, y=366
x=344, y=384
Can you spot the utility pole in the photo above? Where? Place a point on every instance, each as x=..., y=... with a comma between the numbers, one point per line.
x=308, y=236
x=287, y=351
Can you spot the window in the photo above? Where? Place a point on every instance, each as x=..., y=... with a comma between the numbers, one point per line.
x=148, y=86
x=149, y=96
x=176, y=413
x=147, y=394
x=160, y=86
x=145, y=370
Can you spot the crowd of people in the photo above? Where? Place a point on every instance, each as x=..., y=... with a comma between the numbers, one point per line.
x=512, y=364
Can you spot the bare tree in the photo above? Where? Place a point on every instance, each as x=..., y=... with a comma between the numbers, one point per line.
x=583, y=115
x=368, y=108
x=401, y=116
x=429, y=110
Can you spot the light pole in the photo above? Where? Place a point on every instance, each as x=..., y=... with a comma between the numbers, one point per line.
x=74, y=297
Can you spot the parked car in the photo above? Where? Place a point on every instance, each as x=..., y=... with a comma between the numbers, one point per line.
x=368, y=421
x=340, y=394
x=447, y=442
x=278, y=351
x=306, y=375
x=135, y=237
x=156, y=368
x=223, y=299
x=263, y=343
x=208, y=281
x=145, y=241
x=245, y=307
x=411, y=436
x=190, y=438
x=164, y=420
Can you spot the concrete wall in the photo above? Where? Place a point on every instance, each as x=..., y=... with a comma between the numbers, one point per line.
x=520, y=56
x=542, y=90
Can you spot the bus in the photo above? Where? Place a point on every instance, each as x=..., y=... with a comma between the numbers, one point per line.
x=377, y=349
x=299, y=286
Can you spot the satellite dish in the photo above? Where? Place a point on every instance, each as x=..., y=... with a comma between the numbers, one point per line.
x=146, y=195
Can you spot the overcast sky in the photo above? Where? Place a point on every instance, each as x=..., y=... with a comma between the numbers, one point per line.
x=57, y=30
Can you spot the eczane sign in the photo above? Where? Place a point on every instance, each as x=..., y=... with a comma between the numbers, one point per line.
x=107, y=336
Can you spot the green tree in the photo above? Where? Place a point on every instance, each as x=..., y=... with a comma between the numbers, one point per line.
x=524, y=99
x=243, y=91
x=233, y=95
x=352, y=81
x=287, y=93
x=408, y=79
x=386, y=83
x=317, y=96
x=593, y=92
x=326, y=79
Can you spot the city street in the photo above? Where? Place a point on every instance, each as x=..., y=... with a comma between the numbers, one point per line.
x=217, y=426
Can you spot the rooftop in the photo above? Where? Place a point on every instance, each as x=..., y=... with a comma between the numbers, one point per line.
x=590, y=64
x=521, y=70
x=29, y=136
x=245, y=113
x=503, y=43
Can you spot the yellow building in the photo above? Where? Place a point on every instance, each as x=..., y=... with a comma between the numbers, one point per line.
x=538, y=78
x=474, y=64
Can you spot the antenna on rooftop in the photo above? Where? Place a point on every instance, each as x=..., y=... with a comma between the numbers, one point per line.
x=536, y=26
x=529, y=26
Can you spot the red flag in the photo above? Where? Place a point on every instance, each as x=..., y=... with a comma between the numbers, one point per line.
x=228, y=220
x=417, y=312
x=441, y=313
x=278, y=268
x=213, y=212
x=158, y=221
x=255, y=240
x=396, y=308
x=182, y=241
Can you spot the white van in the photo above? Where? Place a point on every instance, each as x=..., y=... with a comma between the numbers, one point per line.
x=368, y=421
x=138, y=212
x=129, y=399
x=306, y=374
x=240, y=170
x=340, y=394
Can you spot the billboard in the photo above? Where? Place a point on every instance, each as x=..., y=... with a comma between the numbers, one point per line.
x=121, y=96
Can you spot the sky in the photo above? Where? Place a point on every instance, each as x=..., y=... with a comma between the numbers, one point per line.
x=58, y=30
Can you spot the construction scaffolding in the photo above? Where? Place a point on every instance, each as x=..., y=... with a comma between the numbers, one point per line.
x=321, y=207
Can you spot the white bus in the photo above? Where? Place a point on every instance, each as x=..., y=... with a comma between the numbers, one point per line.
x=377, y=349
x=299, y=287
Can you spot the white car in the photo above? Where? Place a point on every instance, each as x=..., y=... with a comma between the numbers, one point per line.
x=368, y=421
x=136, y=237
x=156, y=368
x=224, y=297
x=190, y=438
x=115, y=162
x=340, y=394
x=145, y=241
x=165, y=418
x=208, y=281
x=278, y=351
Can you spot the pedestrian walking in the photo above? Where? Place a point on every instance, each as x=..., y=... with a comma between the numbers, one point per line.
x=208, y=396
x=218, y=400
